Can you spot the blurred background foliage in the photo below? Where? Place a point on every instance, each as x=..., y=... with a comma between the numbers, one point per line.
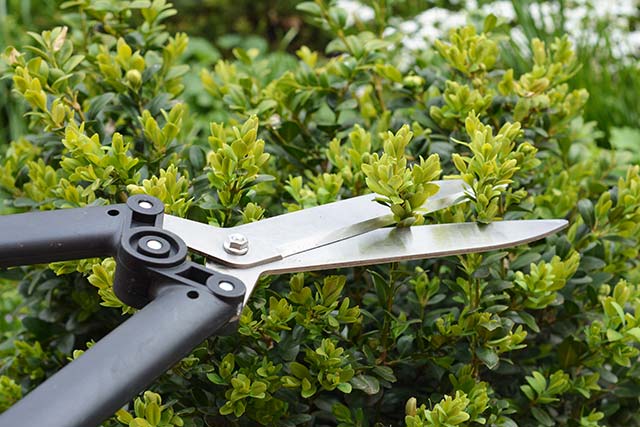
x=609, y=65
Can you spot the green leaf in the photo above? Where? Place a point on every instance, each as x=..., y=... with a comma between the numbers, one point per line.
x=345, y=387
x=625, y=138
x=489, y=23
x=299, y=370
x=325, y=115
x=589, y=263
x=619, y=310
x=525, y=260
x=266, y=105
x=197, y=157
x=309, y=7
x=40, y=328
x=542, y=417
x=390, y=72
x=341, y=412
x=569, y=352
x=488, y=356
x=634, y=332
x=152, y=413
x=528, y=320
x=385, y=372
x=139, y=4
x=586, y=209
x=215, y=378
x=98, y=104
x=73, y=62
x=366, y=383
x=613, y=335
x=381, y=286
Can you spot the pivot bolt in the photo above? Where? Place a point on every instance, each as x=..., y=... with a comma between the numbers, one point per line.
x=236, y=244
x=154, y=244
x=226, y=286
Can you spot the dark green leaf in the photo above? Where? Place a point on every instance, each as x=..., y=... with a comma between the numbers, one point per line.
x=325, y=116
x=98, y=103
x=569, y=352
x=366, y=383
x=41, y=329
x=589, y=263
x=197, y=157
x=309, y=7
x=525, y=260
x=385, y=372
x=542, y=417
x=488, y=357
x=586, y=209
x=528, y=320
x=341, y=412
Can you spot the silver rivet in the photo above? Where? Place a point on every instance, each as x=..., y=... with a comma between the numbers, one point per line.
x=154, y=244
x=226, y=286
x=145, y=205
x=236, y=244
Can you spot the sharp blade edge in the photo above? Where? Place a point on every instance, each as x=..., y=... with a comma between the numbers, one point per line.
x=427, y=241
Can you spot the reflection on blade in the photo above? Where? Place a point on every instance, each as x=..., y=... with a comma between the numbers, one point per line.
x=428, y=241
x=368, y=215
x=284, y=235
x=402, y=244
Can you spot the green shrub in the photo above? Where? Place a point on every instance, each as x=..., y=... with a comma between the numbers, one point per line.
x=543, y=334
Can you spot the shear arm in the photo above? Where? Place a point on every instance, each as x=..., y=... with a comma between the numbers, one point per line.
x=39, y=237
x=103, y=379
x=182, y=303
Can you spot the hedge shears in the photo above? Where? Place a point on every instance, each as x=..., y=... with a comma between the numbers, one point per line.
x=181, y=303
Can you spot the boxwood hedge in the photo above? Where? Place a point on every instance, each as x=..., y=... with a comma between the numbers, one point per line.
x=544, y=334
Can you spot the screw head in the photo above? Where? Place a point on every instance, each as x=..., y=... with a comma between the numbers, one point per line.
x=236, y=244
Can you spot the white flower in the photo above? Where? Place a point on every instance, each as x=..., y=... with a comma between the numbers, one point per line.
x=580, y=20
x=520, y=40
x=543, y=13
x=408, y=27
x=502, y=9
x=634, y=41
x=356, y=11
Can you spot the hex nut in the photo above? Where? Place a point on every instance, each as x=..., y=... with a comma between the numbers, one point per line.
x=236, y=244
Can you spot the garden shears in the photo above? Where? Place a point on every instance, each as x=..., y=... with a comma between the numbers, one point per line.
x=182, y=302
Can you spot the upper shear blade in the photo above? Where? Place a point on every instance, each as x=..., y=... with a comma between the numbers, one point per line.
x=402, y=244
x=277, y=237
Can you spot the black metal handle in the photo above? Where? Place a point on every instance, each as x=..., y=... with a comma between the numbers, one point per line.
x=93, y=387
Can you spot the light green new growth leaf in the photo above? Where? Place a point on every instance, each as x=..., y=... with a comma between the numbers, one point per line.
x=493, y=162
x=236, y=159
x=404, y=189
x=171, y=187
x=541, y=285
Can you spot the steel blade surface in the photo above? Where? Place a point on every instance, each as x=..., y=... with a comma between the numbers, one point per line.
x=403, y=244
x=427, y=241
x=277, y=237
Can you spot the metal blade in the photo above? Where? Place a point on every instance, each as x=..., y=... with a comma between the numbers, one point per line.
x=275, y=238
x=427, y=241
x=402, y=244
